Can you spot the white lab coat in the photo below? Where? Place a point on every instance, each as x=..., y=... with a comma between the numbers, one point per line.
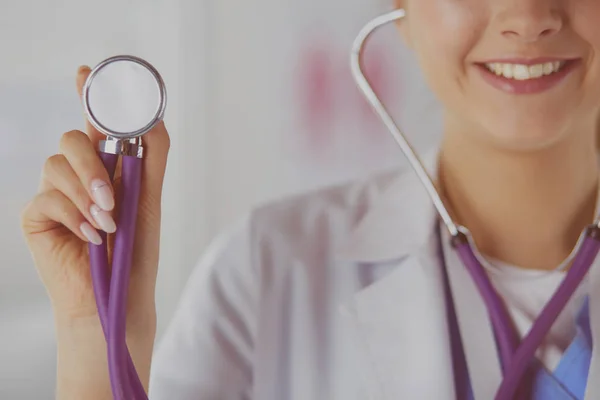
x=336, y=294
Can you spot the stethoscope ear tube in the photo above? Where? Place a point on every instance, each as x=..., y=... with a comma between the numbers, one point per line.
x=363, y=84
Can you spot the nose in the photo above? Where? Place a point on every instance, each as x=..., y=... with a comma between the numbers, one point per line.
x=529, y=20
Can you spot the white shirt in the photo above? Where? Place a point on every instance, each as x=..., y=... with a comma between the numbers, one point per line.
x=335, y=294
x=526, y=292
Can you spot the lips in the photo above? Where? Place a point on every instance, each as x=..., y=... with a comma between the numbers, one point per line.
x=526, y=76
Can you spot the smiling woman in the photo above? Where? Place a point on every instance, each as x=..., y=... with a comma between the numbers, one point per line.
x=358, y=291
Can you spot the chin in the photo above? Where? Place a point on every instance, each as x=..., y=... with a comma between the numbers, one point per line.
x=526, y=137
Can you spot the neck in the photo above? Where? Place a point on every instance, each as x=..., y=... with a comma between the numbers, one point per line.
x=523, y=208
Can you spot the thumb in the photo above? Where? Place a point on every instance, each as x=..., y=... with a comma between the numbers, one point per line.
x=82, y=74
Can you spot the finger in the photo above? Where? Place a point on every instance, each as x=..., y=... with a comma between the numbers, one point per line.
x=156, y=145
x=87, y=165
x=59, y=174
x=52, y=209
x=82, y=74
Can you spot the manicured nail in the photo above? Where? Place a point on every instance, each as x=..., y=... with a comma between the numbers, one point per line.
x=103, y=219
x=102, y=195
x=90, y=233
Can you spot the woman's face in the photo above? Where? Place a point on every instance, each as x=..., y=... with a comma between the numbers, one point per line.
x=545, y=57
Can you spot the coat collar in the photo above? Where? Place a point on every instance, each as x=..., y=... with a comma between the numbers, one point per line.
x=401, y=220
x=398, y=223
x=401, y=325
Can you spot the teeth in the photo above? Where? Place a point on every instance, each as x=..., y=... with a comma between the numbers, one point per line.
x=535, y=71
x=523, y=72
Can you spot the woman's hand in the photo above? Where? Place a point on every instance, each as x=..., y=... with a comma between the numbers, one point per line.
x=75, y=198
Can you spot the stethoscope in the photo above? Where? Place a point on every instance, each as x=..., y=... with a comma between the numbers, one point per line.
x=515, y=354
x=107, y=86
x=111, y=288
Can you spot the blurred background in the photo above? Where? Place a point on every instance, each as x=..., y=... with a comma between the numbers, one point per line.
x=261, y=105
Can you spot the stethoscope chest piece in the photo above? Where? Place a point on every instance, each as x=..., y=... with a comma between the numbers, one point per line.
x=124, y=97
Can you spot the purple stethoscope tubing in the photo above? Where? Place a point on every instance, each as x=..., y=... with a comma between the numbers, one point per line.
x=112, y=308
x=515, y=355
x=515, y=363
x=111, y=280
x=507, y=339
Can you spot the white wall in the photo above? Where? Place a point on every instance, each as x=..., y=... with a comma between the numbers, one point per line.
x=43, y=43
x=237, y=74
x=262, y=144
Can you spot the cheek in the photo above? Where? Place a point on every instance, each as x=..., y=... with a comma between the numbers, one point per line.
x=444, y=33
x=585, y=22
x=584, y=16
x=585, y=19
x=455, y=25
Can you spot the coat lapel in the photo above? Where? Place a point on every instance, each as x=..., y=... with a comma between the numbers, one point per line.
x=402, y=323
x=400, y=319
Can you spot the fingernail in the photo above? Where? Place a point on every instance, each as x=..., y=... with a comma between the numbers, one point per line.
x=90, y=233
x=103, y=219
x=102, y=195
